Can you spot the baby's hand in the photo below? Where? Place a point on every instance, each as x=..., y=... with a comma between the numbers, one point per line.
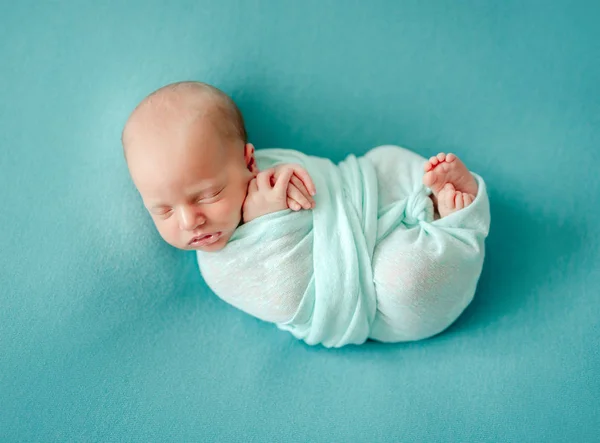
x=267, y=194
x=300, y=188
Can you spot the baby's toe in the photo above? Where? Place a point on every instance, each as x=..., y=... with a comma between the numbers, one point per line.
x=468, y=199
x=429, y=179
x=434, y=161
x=441, y=156
x=448, y=196
x=450, y=158
x=459, y=200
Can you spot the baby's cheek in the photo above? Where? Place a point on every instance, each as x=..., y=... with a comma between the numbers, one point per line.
x=227, y=209
x=168, y=230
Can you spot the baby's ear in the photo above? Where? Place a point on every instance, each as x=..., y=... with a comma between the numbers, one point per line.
x=250, y=159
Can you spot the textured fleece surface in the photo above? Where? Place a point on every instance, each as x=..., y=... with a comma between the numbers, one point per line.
x=107, y=334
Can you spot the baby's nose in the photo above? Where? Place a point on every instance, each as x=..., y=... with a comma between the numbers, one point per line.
x=190, y=219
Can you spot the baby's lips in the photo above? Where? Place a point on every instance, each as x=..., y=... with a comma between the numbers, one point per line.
x=198, y=237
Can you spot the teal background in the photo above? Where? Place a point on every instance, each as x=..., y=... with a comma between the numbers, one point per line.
x=107, y=334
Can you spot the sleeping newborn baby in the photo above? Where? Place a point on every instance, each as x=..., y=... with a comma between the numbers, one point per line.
x=390, y=248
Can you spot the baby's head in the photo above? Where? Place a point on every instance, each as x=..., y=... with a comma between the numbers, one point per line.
x=188, y=155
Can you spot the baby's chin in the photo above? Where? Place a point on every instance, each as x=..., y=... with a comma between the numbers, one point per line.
x=211, y=248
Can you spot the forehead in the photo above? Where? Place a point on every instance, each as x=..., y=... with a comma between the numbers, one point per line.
x=164, y=158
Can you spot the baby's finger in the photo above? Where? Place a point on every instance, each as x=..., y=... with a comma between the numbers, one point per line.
x=252, y=186
x=302, y=189
x=293, y=205
x=294, y=193
x=263, y=179
x=301, y=173
x=283, y=181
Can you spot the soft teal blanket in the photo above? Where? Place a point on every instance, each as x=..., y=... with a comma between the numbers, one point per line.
x=312, y=273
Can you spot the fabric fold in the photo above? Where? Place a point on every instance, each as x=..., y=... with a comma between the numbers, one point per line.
x=311, y=272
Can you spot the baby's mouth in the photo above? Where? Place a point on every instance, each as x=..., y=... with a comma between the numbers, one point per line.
x=205, y=239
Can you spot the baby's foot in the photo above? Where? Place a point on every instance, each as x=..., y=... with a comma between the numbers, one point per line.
x=442, y=170
x=450, y=200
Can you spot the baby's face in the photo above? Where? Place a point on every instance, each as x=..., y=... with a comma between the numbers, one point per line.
x=193, y=183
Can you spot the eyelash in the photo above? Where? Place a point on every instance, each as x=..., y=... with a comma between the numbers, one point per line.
x=168, y=212
x=199, y=200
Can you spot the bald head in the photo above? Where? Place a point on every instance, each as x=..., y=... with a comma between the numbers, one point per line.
x=188, y=157
x=176, y=107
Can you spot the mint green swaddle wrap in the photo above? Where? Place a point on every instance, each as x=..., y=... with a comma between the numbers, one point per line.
x=311, y=272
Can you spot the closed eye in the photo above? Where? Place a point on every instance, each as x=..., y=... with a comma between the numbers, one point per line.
x=162, y=212
x=209, y=198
